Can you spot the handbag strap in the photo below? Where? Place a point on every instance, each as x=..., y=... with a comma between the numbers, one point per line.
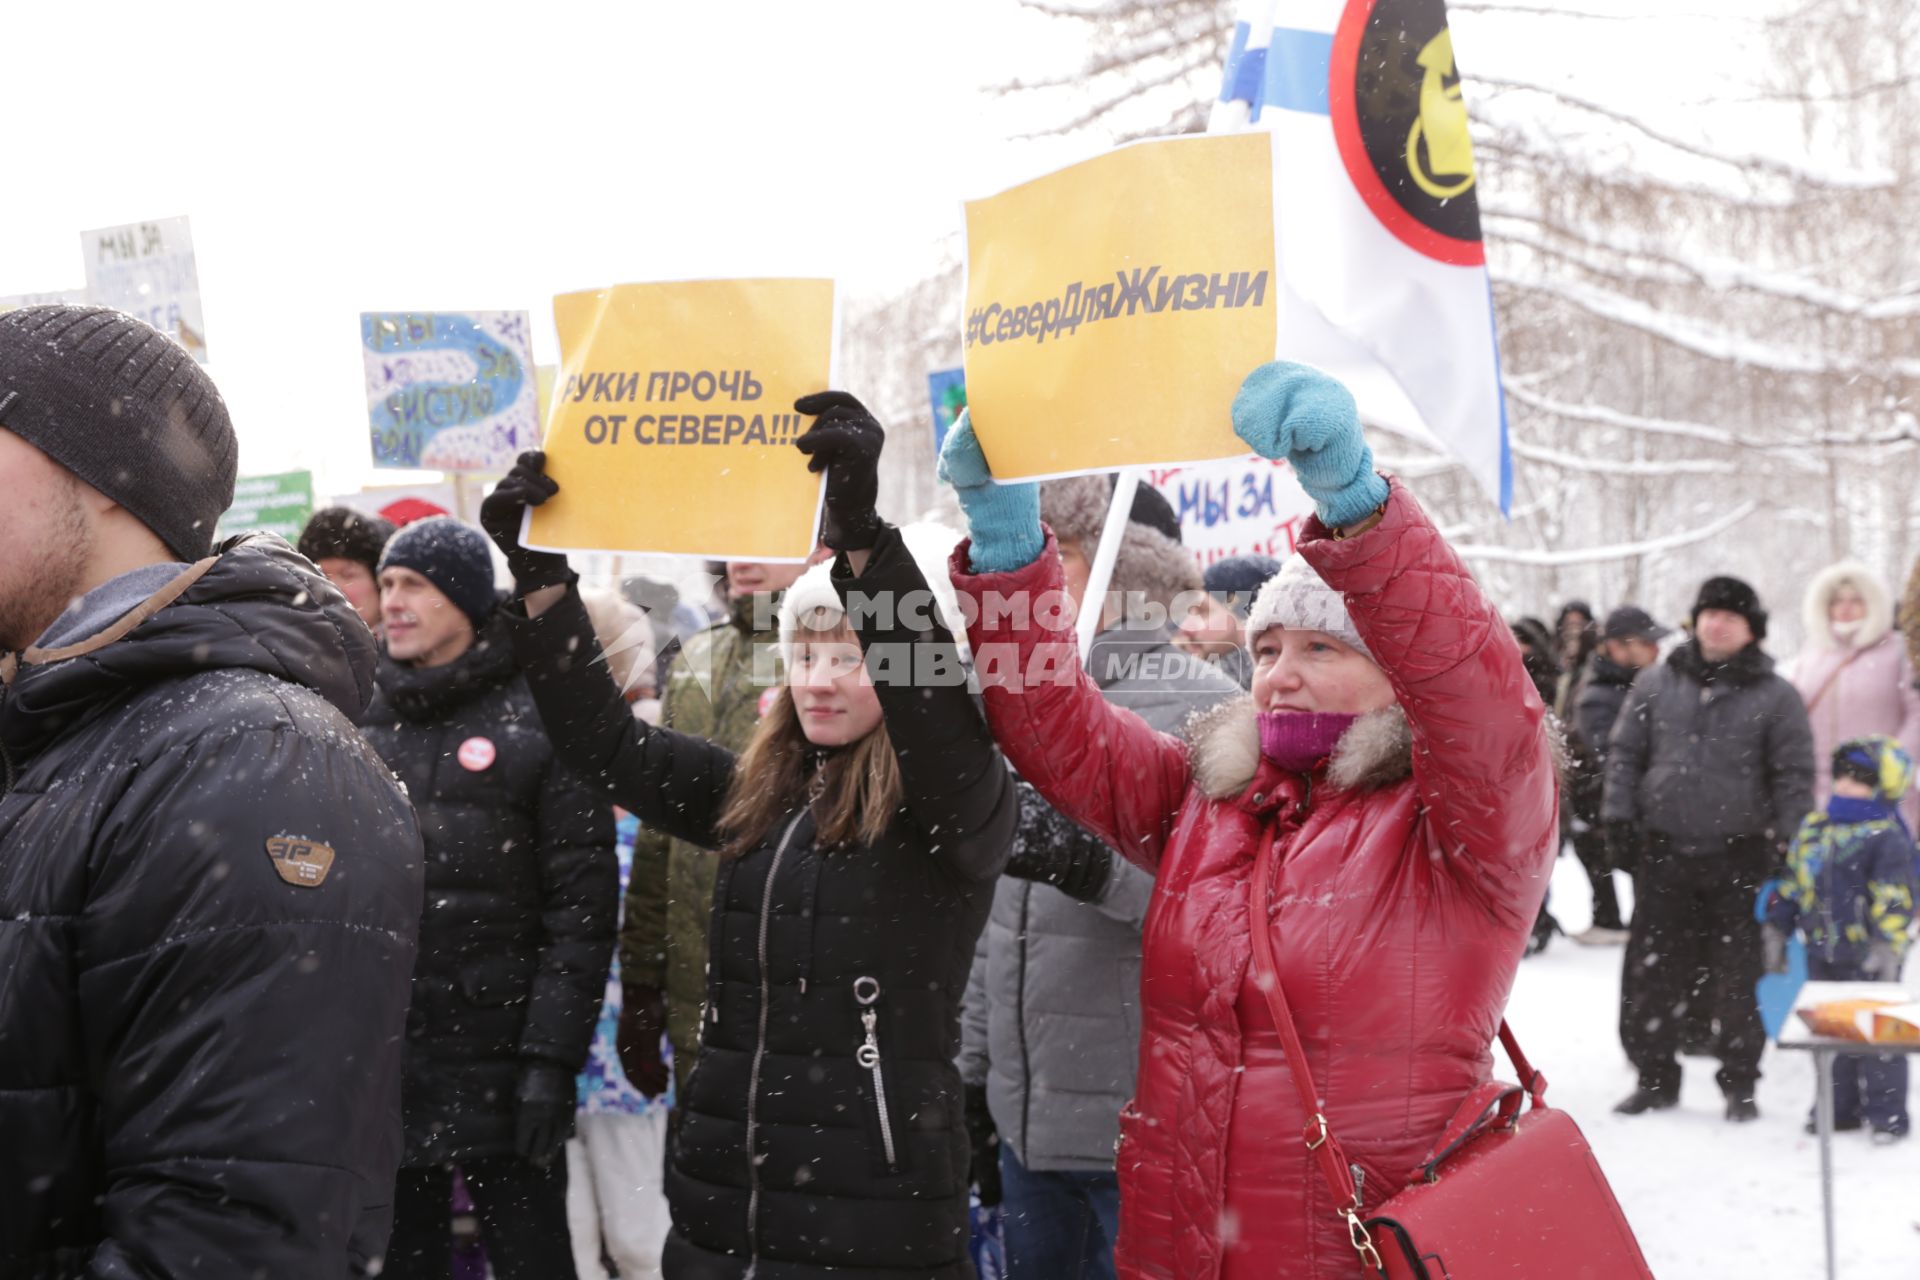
x=1833, y=677
x=1326, y=1149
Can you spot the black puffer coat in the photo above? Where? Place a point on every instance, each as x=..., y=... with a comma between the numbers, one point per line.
x=522, y=897
x=209, y=887
x=792, y=1160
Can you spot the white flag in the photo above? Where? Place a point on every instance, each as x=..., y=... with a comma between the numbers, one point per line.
x=1384, y=278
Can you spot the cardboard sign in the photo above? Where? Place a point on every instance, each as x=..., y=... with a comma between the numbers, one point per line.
x=1114, y=307
x=673, y=425
x=278, y=504
x=1243, y=507
x=146, y=269
x=450, y=390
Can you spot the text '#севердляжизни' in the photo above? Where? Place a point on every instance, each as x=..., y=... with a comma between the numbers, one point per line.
x=1144, y=291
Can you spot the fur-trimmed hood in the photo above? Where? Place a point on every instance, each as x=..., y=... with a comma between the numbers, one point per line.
x=1820, y=592
x=1376, y=750
x=1150, y=564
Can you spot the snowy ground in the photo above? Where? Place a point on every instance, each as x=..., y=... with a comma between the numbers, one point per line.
x=1709, y=1199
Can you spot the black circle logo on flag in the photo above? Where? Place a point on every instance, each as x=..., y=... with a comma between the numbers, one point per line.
x=1401, y=125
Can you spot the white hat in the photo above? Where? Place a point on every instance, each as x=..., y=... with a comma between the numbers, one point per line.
x=929, y=543
x=1296, y=598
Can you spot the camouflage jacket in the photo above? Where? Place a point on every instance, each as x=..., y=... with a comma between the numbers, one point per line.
x=711, y=693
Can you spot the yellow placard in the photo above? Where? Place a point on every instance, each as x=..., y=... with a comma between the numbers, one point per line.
x=672, y=424
x=545, y=378
x=1114, y=307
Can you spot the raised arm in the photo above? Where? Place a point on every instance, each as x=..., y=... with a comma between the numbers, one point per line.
x=958, y=793
x=1100, y=765
x=1481, y=754
x=666, y=779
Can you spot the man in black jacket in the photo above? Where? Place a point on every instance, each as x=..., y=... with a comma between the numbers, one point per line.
x=521, y=901
x=209, y=885
x=1709, y=773
x=1629, y=643
x=345, y=545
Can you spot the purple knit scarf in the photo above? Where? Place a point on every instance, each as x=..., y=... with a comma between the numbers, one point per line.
x=1299, y=740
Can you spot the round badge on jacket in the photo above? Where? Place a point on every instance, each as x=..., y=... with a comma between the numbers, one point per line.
x=476, y=754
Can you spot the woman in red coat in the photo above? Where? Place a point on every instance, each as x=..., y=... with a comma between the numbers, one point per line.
x=1397, y=757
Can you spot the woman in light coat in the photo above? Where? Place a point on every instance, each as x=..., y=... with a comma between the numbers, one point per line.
x=1854, y=674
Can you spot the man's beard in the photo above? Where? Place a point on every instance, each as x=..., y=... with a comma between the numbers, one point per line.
x=42, y=583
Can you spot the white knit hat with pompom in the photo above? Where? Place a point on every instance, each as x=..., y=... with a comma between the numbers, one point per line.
x=1296, y=598
x=929, y=543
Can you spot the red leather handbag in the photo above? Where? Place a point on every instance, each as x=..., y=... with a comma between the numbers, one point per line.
x=1505, y=1194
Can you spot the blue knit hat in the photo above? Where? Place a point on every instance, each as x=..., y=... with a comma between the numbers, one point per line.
x=1879, y=762
x=450, y=555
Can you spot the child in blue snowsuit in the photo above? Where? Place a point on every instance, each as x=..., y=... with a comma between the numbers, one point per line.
x=1850, y=891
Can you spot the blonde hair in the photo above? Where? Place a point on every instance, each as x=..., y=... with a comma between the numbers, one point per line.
x=854, y=795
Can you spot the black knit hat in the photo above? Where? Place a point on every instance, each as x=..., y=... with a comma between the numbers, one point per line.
x=450, y=555
x=1240, y=575
x=345, y=534
x=123, y=407
x=1238, y=579
x=1151, y=508
x=1735, y=596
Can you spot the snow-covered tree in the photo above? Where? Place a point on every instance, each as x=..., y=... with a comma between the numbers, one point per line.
x=1700, y=230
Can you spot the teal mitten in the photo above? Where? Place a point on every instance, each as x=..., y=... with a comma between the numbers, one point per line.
x=1296, y=412
x=1003, y=519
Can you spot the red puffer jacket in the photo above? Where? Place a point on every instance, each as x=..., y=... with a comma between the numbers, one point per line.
x=1407, y=874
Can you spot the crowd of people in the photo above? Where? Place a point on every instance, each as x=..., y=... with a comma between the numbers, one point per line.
x=641, y=963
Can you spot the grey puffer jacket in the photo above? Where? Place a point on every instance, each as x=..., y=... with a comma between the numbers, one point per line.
x=1052, y=1015
x=1704, y=754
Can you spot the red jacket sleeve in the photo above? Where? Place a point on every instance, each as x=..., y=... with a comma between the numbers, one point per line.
x=1481, y=754
x=1099, y=764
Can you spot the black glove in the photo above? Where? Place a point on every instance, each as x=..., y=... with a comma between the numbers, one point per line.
x=985, y=1141
x=1079, y=868
x=1773, y=949
x=543, y=1112
x=1623, y=845
x=527, y=485
x=844, y=441
x=643, y=1018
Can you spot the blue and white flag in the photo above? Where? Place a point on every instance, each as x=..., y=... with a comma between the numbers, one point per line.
x=1384, y=280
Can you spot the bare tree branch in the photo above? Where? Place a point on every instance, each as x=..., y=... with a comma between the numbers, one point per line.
x=1621, y=466
x=1617, y=551
x=1159, y=80
x=1799, y=174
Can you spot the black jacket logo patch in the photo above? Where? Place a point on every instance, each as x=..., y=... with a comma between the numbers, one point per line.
x=300, y=861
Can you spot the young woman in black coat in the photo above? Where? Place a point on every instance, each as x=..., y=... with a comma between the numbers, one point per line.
x=823, y=1130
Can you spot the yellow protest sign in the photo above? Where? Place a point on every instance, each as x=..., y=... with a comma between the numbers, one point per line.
x=1114, y=306
x=672, y=425
x=545, y=378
